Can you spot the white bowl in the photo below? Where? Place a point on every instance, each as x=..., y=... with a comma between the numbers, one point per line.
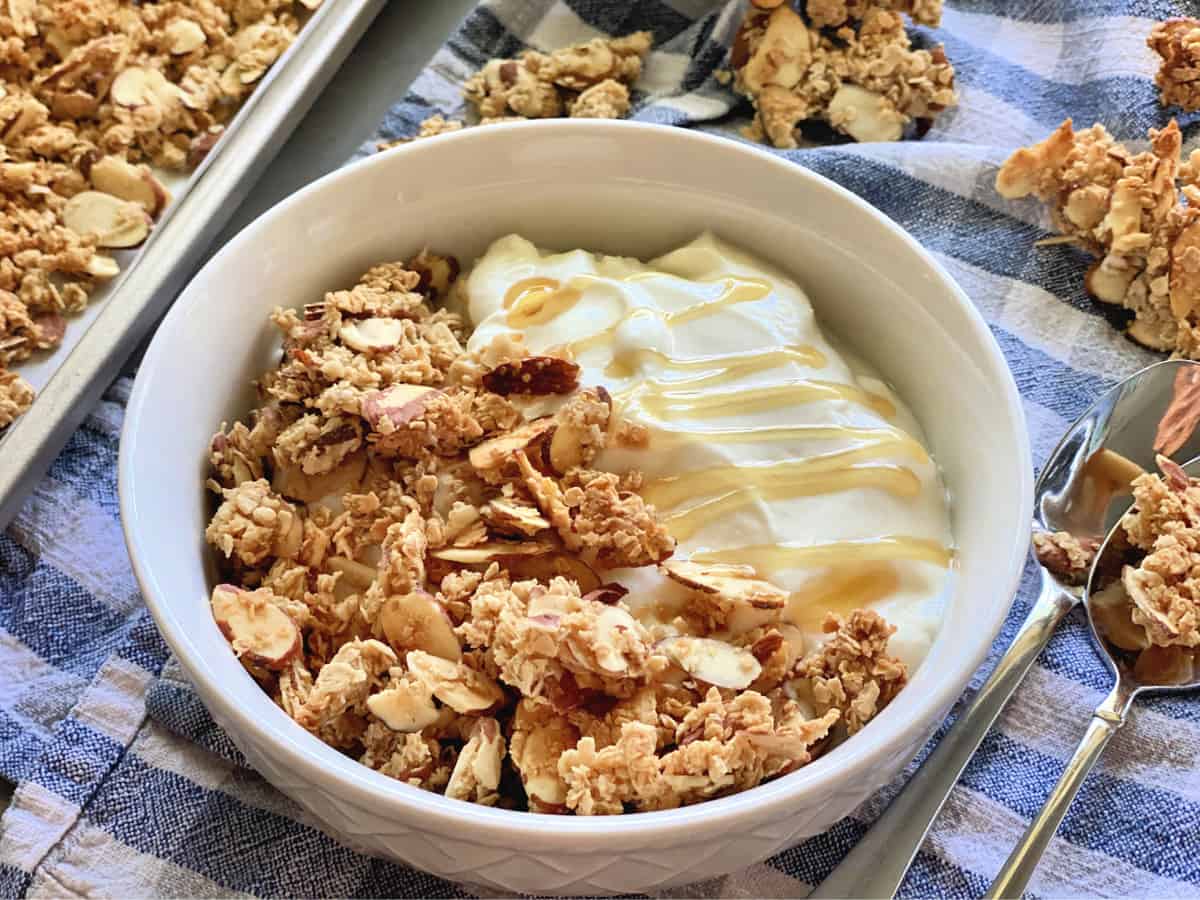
x=621, y=188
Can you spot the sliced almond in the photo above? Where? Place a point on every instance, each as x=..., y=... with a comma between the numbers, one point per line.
x=399, y=404
x=493, y=453
x=515, y=519
x=1112, y=613
x=554, y=565
x=610, y=624
x=202, y=144
x=405, y=706
x=184, y=36
x=137, y=184
x=353, y=572
x=476, y=774
x=115, y=222
x=292, y=482
x=606, y=593
x=534, y=375
x=1165, y=665
x=103, y=267
x=496, y=550
x=782, y=55
x=138, y=86
x=713, y=662
x=1108, y=284
x=374, y=335
x=416, y=621
x=738, y=584
x=864, y=115
x=260, y=632
x=460, y=687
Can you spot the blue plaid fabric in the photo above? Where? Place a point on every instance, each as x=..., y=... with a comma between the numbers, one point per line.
x=126, y=787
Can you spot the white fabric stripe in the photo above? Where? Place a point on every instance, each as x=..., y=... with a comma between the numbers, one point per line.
x=115, y=703
x=664, y=72
x=91, y=862
x=162, y=749
x=1152, y=749
x=34, y=822
x=976, y=833
x=980, y=113
x=1102, y=47
x=81, y=540
x=546, y=26
x=34, y=690
x=1085, y=342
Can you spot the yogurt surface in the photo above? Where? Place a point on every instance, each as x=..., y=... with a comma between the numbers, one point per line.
x=766, y=446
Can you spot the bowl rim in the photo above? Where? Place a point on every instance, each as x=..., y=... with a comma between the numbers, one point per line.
x=300, y=750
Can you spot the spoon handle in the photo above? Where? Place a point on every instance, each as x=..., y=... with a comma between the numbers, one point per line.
x=1021, y=863
x=877, y=864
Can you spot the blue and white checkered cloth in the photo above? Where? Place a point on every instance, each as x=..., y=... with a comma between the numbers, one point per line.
x=125, y=787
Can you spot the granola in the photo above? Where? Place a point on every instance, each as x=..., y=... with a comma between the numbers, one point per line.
x=1126, y=210
x=850, y=65
x=93, y=94
x=423, y=567
x=1177, y=43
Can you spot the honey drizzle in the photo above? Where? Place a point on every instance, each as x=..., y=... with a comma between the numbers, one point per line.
x=723, y=368
x=902, y=442
x=535, y=301
x=769, y=559
x=894, y=479
x=673, y=405
x=668, y=492
x=841, y=591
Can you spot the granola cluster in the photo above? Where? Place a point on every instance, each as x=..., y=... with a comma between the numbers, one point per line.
x=1126, y=210
x=848, y=64
x=589, y=80
x=421, y=566
x=1153, y=608
x=1177, y=43
x=93, y=93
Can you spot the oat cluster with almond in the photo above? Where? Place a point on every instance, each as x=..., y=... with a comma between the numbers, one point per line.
x=93, y=93
x=848, y=64
x=1137, y=213
x=1148, y=602
x=422, y=570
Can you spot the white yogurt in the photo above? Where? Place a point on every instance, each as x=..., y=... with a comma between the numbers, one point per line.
x=802, y=448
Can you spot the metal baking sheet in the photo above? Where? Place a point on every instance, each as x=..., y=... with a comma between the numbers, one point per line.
x=70, y=380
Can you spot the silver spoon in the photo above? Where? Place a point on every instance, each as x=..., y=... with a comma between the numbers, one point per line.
x=1078, y=491
x=1138, y=668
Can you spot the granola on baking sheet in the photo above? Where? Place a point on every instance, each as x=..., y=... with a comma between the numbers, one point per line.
x=422, y=567
x=850, y=65
x=92, y=94
x=1125, y=209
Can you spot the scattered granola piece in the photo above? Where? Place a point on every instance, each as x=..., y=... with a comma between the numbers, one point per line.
x=1065, y=555
x=590, y=79
x=1124, y=209
x=851, y=672
x=849, y=64
x=1177, y=42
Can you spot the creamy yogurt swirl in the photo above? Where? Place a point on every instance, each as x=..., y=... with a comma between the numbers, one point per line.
x=767, y=447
